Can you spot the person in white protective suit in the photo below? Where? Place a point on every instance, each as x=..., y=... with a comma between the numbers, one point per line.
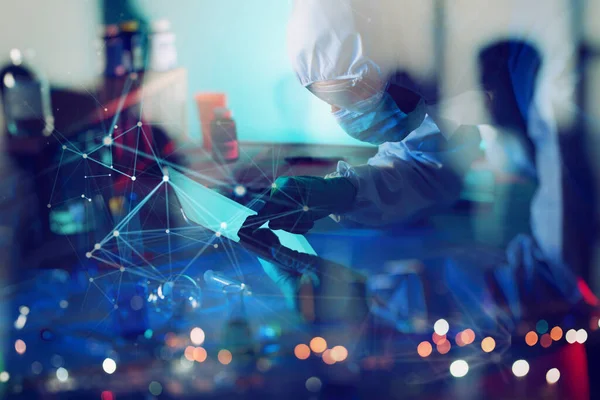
x=421, y=159
x=334, y=47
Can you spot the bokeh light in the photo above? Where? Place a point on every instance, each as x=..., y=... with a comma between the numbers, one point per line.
x=197, y=336
x=546, y=340
x=556, y=333
x=155, y=388
x=468, y=336
x=541, y=327
x=189, y=353
x=339, y=353
x=582, y=336
x=224, y=356
x=424, y=349
x=24, y=310
x=552, y=376
x=571, y=336
x=459, y=368
x=302, y=351
x=318, y=344
x=488, y=344
x=531, y=338
x=444, y=347
x=458, y=339
x=107, y=395
x=62, y=374
x=441, y=327
x=313, y=384
x=520, y=368
x=200, y=355
x=328, y=358
x=20, y=346
x=109, y=366
x=4, y=376
x=437, y=339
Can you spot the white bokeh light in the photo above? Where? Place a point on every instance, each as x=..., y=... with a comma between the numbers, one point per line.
x=459, y=368
x=520, y=368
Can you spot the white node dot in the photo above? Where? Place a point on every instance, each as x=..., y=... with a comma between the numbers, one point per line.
x=441, y=327
x=133, y=178
x=84, y=155
x=83, y=196
x=216, y=245
x=218, y=234
x=49, y=206
x=122, y=269
x=4, y=376
x=167, y=231
x=97, y=246
x=552, y=376
x=90, y=200
x=520, y=368
x=116, y=307
x=166, y=178
x=116, y=126
x=106, y=109
x=88, y=254
x=139, y=123
x=85, y=177
x=63, y=304
x=24, y=310
x=239, y=190
x=116, y=233
x=273, y=185
x=64, y=147
x=91, y=279
x=107, y=141
x=223, y=225
x=305, y=208
x=459, y=368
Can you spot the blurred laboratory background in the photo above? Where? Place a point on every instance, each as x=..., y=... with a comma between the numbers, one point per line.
x=111, y=288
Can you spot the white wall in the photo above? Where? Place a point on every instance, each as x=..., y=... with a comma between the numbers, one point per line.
x=57, y=37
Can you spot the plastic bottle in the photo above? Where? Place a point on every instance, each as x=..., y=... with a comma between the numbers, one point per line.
x=163, y=54
x=26, y=99
x=223, y=132
x=114, y=51
x=133, y=46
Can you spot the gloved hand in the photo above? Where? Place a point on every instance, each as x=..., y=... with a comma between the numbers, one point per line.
x=295, y=203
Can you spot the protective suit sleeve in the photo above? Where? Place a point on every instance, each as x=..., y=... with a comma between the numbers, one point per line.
x=407, y=177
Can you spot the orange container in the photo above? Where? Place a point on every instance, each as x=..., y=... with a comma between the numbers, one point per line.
x=207, y=103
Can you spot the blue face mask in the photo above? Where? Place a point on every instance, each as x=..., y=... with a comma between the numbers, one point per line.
x=378, y=120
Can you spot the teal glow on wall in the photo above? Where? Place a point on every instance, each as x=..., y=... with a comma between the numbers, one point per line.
x=239, y=47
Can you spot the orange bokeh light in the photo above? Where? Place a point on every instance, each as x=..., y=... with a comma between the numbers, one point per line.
x=468, y=336
x=556, y=333
x=224, y=356
x=318, y=344
x=424, y=349
x=189, y=353
x=302, y=351
x=437, y=339
x=444, y=347
x=488, y=344
x=328, y=358
x=200, y=354
x=531, y=338
x=339, y=353
x=20, y=346
x=546, y=340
